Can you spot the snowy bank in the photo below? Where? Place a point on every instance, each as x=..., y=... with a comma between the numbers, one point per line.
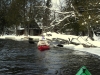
x=77, y=39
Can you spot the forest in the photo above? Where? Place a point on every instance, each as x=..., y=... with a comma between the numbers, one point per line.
x=77, y=16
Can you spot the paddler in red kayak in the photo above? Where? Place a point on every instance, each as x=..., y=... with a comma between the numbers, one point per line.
x=43, y=44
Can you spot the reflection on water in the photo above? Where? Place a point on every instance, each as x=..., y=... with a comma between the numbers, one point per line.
x=22, y=58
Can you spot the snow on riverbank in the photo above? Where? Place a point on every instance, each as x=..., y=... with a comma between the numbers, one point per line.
x=13, y=37
x=80, y=40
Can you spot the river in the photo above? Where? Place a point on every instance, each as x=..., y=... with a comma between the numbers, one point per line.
x=23, y=58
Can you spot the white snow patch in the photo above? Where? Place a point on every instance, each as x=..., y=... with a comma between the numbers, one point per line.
x=66, y=37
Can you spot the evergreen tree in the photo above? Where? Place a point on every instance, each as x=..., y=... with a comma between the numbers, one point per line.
x=46, y=17
x=4, y=5
x=88, y=13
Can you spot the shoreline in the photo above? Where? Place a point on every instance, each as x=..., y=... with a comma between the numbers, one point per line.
x=91, y=50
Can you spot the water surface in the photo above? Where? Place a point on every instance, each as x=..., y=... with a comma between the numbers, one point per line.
x=23, y=58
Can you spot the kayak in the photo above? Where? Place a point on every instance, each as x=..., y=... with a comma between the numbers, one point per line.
x=43, y=47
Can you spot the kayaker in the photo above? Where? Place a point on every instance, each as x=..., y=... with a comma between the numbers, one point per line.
x=42, y=42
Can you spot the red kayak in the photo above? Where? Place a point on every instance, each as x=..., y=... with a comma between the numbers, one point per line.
x=43, y=47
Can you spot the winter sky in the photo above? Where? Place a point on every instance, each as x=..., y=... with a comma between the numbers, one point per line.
x=57, y=3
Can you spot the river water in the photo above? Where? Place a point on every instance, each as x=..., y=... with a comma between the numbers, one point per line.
x=23, y=58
